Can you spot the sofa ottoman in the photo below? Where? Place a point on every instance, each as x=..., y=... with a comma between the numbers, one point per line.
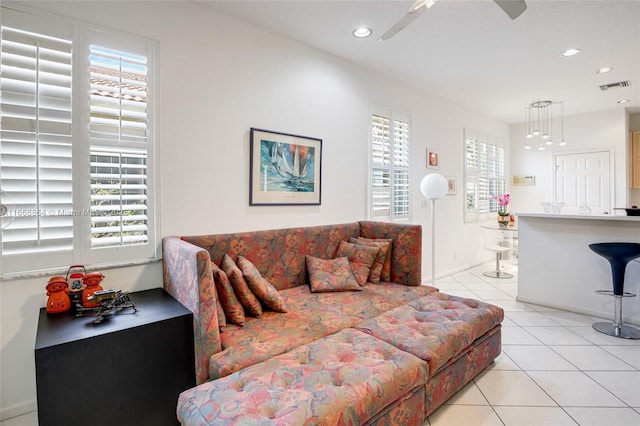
x=435, y=328
x=346, y=378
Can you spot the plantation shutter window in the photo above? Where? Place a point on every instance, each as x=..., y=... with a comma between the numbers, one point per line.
x=380, y=167
x=118, y=198
x=401, y=170
x=118, y=124
x=390, y=185
x=36, y=138
x=77, y=151
x=118, y=89
x=485, y=175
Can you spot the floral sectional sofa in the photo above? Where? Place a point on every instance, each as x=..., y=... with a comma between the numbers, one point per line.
x=390, y=351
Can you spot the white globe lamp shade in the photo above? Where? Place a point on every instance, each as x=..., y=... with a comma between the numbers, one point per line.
x=434, y=186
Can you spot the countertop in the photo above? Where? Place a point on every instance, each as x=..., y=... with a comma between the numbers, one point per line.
x=581, y=216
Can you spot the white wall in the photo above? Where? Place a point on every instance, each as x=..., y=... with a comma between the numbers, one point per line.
x=217, y=78
x=602, y=130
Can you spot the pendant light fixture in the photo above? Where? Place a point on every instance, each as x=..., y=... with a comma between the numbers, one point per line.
x=538, y=117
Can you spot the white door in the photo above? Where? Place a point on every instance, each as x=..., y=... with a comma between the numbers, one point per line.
x=583, y=178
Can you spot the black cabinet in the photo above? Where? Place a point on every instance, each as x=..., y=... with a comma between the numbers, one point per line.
x=127, y=370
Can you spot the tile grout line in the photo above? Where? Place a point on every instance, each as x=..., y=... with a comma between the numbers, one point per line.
x=564, y=328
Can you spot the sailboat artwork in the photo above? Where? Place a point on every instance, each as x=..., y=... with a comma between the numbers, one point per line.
x=286, y=167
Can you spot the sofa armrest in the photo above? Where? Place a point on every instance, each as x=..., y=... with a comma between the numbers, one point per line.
x=406, y=252
x=187, y=277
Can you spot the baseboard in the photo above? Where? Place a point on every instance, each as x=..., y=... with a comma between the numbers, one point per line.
x=427, y=281
x=19, y=409
x=606, y=315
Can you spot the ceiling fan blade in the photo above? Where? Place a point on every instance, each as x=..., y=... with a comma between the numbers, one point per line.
x=513, y=8
x=417, y=9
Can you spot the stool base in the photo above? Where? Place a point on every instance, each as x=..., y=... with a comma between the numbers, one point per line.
x=497, y=274
x=623, y=331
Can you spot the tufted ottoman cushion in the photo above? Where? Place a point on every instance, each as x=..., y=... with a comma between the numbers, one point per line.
x=436, y=327
x=345, y=378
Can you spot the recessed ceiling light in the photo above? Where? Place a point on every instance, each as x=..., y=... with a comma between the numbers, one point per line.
x=624, y=101
x=604, y=70
x=362, y=32
x=571, y=52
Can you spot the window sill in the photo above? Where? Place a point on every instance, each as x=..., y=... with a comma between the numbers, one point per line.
x=58, y=271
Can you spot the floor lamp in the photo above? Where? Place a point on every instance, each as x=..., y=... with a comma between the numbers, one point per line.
x=433, y=186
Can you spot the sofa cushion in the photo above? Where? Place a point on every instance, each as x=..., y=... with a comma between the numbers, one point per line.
x=243, y=293
x=346, y=378
x=234, y=313
x=309, y=316
x=262, y=288
x=382, y=244
x=436, y=327
x=361, y=259
x=329, y=275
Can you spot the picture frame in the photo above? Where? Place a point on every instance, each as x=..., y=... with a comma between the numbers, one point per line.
x=433, y=159
x=451, y=185
x=285, y=169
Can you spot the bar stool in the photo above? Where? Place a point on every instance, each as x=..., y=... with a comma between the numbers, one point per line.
x=496, y=241
x=618, y=255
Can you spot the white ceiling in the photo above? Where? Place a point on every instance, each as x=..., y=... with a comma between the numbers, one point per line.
x=471, y=52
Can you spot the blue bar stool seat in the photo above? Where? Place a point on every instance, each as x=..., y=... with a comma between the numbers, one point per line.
x=618, y=255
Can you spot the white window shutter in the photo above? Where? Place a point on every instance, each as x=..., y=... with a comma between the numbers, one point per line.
x=401, y=189
x=380, y=167
x=485, y=178
x=118, y=91
x=389, y=168
x=118, y=198
x=118, y=133
x=36, y=151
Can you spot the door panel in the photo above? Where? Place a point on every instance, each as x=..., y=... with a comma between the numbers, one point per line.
x=583, y=179
x=570, y=190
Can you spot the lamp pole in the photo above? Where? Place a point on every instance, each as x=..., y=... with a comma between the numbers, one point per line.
x=433, y=242
x=433, y=186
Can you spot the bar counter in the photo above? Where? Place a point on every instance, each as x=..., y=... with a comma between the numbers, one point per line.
x=556, y=267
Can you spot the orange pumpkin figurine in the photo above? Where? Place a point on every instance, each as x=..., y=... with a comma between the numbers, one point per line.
x=92, y=284
x=58, y=300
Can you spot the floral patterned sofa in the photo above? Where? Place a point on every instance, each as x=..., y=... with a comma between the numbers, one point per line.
x=390, y=353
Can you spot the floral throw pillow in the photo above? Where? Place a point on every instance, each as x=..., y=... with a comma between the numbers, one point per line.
x=233, y=311
x=327, y=275
x=243, y=293
x=263, y=289
x=222, y=318
x=383, y=244
x=361, y=259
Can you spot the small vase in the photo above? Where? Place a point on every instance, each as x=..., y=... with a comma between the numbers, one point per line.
x=504, y=221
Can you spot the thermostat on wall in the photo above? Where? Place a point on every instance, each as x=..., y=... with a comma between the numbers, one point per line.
x=524, y=180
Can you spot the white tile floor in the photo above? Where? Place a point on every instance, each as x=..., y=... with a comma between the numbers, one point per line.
x=554, y=368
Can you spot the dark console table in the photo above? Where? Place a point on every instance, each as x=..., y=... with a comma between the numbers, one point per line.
x=127, y=370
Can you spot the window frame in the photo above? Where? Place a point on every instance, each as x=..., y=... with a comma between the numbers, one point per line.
x=82, y=36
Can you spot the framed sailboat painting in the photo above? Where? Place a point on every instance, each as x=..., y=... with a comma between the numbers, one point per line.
x=285, y=169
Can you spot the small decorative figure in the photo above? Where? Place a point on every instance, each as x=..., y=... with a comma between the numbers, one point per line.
x=91, y=284
x=74, y=280
x=58, y=300
x=108, y=303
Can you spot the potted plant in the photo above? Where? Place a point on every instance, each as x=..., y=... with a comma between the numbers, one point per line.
x=503, y=215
